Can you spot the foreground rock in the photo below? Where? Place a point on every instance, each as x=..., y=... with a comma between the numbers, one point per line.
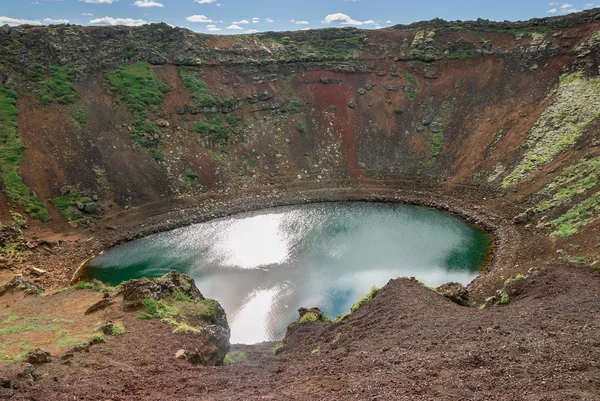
x=206, y=319
x=212, y=344
x=38, y=356
x=134, y=291
x=455, y=292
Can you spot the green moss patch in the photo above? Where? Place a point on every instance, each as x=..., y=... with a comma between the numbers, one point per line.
x=574, y=180
x=577, y=104
x=198, y=89
x=577, y=217
x=58, y=87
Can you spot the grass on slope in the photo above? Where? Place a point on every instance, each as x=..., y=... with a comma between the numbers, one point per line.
x=577, y=104
x=198, y=89
x=11, y=148
x=143, y=92
x=58, y=87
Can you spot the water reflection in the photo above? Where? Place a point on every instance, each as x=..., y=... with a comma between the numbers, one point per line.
x=262, y=266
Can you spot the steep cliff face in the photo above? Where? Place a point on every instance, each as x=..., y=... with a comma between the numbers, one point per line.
x=104, y=118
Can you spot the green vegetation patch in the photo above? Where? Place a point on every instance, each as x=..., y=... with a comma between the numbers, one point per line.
x=234, y=357
x=143, y=92
x=364, y=299
x=80, y=116
x=11, y=148
x=574, y=180
x=214, y=129
x=577, y=104
x=577, y=217
x=197, y=89
x=179, y=310
x=58, y=87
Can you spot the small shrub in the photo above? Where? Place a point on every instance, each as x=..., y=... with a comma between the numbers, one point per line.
x=286, y=40
x=97, y=338
x=308, y=318
x=504, y=299
x=234, y=357
x=315, y=352
x=118, y=329
x=278, y=348
x=398, y=111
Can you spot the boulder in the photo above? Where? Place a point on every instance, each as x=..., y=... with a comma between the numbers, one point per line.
x=211, y=347
x=90, y=208
x=37, y=356
x=181, y=354
x=352, y=104
x=65, y=190
x=163, y=123
x=19, y=283
x=134, y=291
x=455, y=292
x=524, y=217
x=37, y=272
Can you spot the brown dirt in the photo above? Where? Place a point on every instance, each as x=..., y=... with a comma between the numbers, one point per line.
x=408, y=343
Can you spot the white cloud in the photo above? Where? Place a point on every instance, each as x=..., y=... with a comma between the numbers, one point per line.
x=388, y=22
x=302, y=22
x=270, y=20
x=553, y=10
x=212, y=28
x=99, y=1
x=205, y=1
x=50, y=21
x=234, y=27
x=147, y=3
x=255, y=20
x=251, y=31
x=87, y=14
x=199, y=18
x=345, y=20
x=118, y=21
x=566, y=5
x=18, y=21
x=242, y=22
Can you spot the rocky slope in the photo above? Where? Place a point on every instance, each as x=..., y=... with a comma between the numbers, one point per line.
x=107, y=127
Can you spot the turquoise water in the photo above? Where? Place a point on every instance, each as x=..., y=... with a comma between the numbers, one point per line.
x=262, y=266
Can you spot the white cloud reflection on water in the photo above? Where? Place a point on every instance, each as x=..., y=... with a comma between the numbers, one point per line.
x=262, y=266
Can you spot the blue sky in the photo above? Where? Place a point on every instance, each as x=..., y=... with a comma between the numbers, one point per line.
x=247, y=16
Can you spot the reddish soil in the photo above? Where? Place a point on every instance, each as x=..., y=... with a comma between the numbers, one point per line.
x=408, y=343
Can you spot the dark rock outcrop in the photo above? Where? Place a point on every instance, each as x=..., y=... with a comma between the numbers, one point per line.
x=38, y=356
x=211, y=346
x=19, y=283
x=455, y=292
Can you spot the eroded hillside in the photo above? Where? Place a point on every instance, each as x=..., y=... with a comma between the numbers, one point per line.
x=98, y=120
